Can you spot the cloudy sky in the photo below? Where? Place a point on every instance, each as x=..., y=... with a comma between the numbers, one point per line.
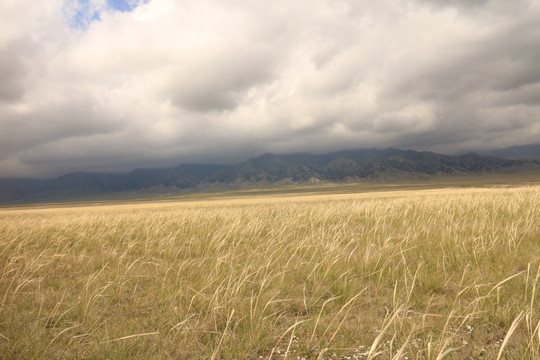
x=110, y=85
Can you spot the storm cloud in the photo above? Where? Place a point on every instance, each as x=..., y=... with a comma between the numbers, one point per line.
x=101, y=85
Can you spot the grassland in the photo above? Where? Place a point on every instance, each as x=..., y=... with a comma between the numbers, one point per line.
x=416, y=274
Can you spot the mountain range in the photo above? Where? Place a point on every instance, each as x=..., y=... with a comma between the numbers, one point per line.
x=269, y=169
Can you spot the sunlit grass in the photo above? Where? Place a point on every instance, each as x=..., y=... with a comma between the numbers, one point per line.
x=425, y=274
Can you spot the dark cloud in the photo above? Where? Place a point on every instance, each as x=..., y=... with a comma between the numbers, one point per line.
x=503, y=62
x=220, y=82
x=77, y=118
x=482, y=90
x=479, y=7
x=12, y=73
x=237, y=53
x=456, y=3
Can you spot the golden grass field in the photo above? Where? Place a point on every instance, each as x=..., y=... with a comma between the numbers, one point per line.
x=417, y=274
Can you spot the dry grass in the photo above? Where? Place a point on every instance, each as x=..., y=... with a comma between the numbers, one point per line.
x=450, y=274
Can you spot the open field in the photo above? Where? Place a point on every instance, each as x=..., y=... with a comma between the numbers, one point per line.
x=414, y=274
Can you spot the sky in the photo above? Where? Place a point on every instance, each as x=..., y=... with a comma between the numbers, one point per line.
x=112, y=85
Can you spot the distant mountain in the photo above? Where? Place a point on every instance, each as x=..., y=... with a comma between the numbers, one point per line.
x=180, y=177
x=515, y=152
x=357, y=165
x=298, y=168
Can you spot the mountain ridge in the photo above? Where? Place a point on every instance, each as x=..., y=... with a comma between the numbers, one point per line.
x=355, y=165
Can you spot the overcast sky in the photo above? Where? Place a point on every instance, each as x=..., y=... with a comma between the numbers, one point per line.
x=100, y=85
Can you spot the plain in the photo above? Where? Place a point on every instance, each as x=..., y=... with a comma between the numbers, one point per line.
x=415, y=274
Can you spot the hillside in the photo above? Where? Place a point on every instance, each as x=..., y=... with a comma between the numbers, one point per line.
x=299, y=168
